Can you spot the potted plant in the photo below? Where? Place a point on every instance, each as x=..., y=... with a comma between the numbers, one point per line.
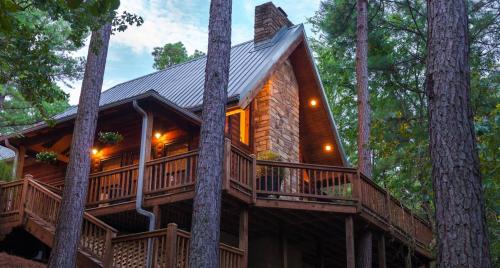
x=110, y=137
x=46, y=157
x=270, y=177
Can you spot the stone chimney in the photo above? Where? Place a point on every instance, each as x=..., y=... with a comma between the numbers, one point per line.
x=269, y=19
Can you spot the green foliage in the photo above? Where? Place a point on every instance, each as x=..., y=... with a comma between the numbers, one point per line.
x=37, y=39
x=46, y=157
x=5, y=171
x=171, y=54
x=110, y=137
x=396, y=63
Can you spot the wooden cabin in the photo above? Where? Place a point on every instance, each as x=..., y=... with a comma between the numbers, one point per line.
x=290, y=197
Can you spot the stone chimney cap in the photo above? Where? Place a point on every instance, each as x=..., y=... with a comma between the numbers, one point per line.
x=269, y=20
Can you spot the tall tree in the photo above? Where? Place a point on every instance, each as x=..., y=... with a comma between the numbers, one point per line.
x=396, y=59
x=171, y=54
x=69, y=223
x=460, y=213
x=204, y=246
x=364, y=252
x=364, y=152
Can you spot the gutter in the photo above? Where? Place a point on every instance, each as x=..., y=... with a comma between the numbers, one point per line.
x=16, y=158
x=140, y=181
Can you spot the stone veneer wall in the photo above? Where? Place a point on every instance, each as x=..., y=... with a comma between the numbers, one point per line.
x=276, y=115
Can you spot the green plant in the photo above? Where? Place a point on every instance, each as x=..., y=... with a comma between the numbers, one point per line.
x=269, y=156
x=46, y=157
x=110, y=137
x=5, y=171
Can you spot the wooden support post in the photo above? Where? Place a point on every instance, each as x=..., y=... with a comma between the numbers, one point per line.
x=364, y=250
x=157, y=212
x=381, y=251
x=356, y=191
x=388, y=208
x=171, y=247
x=243, y=235
x=108, y=250
x=349, y=241
x=254, y=178
x=20, y=162
x=24, y=194
x=408, y=263
x=284, y=246
x=227, y=164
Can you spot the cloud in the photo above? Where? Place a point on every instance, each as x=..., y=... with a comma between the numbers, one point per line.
x=164, y=22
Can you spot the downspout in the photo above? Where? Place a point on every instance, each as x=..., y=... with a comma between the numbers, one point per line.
x=140, y=180
x=16, y=158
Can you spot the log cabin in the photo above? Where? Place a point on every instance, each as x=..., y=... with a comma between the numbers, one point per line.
x=290, y=196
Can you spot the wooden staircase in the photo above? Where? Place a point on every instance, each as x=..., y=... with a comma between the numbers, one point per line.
x=33, y=206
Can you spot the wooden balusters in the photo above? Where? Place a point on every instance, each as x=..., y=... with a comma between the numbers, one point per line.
x=171, y=247
x=301, y=181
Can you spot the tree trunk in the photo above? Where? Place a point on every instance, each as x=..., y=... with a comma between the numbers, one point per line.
x=204, y=247
x=364, y=251
x=460, y=213
x=69, y=223
x=364, y=152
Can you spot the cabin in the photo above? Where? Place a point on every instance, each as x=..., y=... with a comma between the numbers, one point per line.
x=290, y=197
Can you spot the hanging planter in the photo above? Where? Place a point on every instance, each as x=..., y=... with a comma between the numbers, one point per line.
x=110, y=138
x=48, y=157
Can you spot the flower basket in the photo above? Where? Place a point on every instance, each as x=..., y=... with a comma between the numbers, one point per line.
x=110, y=138
x=46, y=157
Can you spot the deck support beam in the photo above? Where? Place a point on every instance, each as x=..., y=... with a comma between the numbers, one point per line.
x=157, y=212
x=21, y=152
x=381, y=251
x=349, y=242
x=243, y=235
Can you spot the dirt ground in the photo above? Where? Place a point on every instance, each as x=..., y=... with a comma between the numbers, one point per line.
x=9, y=261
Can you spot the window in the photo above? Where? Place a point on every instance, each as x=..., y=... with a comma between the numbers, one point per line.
x=239, y=120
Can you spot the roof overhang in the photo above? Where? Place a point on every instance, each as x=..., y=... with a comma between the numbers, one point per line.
x=150, y=94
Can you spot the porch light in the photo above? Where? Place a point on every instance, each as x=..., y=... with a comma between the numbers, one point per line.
x=313, y=103
x=157, y=135
x=328, y=148
x=94, y=151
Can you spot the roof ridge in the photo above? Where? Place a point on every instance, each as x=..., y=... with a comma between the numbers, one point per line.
x=172, y=66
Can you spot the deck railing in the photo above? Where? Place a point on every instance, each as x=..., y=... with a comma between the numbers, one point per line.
x=44, y=205
x=382, y=204
x=112, y=186
x=170, y=249
x=303, y=181
x=253, y=179
x=171, y=174
x=11, y=200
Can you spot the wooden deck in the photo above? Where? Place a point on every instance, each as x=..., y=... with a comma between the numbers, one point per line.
x=266, y=184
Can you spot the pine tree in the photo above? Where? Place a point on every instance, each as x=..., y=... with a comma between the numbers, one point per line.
x=460, y=212
x=204, y=247
x=69, y=223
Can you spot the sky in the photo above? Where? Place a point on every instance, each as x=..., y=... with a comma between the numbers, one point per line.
x=170, y=21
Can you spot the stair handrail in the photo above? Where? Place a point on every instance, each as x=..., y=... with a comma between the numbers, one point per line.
x=110, y=232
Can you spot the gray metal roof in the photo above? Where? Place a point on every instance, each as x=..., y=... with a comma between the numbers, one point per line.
x=6, y=153
x=182, y=84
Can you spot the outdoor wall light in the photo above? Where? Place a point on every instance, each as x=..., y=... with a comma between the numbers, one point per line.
x=313, y=102
x=328, y=148
x=157, y=135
